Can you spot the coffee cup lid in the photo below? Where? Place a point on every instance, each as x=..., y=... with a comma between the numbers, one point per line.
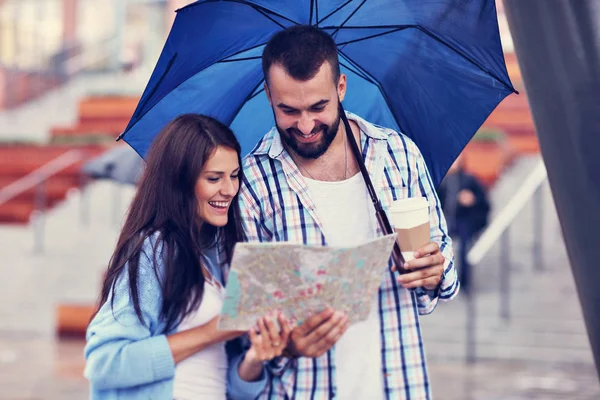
x=409, y=204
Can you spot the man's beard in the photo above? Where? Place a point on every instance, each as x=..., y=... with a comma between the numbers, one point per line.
x=310, y=150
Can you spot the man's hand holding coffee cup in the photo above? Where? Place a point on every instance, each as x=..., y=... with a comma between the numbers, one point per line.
x=424, y=260
x=427, y=268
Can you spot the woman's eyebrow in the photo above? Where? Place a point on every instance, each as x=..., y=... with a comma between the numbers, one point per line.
x=221, y=172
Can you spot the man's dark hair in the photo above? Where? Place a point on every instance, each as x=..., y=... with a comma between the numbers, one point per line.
x=301, y=50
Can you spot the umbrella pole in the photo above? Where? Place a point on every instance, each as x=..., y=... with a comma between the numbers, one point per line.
x=382, y=219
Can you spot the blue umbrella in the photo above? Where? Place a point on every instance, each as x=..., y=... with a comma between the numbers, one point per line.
x=432, y=69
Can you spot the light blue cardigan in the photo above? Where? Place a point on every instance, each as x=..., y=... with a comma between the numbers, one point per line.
x=127, y=360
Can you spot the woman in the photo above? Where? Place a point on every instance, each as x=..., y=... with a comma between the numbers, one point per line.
x=163, y=290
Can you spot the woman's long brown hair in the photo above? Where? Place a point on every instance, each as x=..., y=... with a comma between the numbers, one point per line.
x=165, y=206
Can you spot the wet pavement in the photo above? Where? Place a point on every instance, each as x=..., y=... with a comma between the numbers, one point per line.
x=41, y=368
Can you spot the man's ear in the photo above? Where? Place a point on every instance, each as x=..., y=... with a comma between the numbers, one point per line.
x=341, y=87
x=268, y=93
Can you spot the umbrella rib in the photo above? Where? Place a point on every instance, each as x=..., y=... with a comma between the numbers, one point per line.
x=316, y=12
x=367, y=26
x=171, y=61
x=252, y=5
x=250, y=96
x=259, y=9
x=239, y=59
x=312, y=6
x=141, y=107
x=362, y=73
x=373, y=36
x=431, y=35
x=256, y=94
x=240, y=52
x=169, y=67
x=269, y=17
x=335, y=11
x=357, y=72
x=381, y=90
x=466, y=57
x=348, y=18
x=356, y=66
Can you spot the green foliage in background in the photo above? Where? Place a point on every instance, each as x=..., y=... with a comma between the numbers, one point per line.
x=489, y=135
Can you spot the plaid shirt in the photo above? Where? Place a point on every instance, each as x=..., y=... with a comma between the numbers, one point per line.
x=276, y=206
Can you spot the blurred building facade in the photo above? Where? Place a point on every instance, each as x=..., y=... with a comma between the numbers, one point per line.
x=44, y=42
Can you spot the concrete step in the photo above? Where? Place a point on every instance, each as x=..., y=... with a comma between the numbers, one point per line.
x=511, y=335
x=519, y=324
x=511, y=353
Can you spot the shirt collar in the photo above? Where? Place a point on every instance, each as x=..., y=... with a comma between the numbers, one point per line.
x=273, y=146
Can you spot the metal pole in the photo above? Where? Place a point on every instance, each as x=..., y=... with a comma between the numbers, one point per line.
x=11, y=97
x=84, y=201
x=40, y=205
x=120, y=20
x=39, y=50
x=538, y=217
x=505, y=276
x=116, y=204
x=16, y=18
x=471, y=319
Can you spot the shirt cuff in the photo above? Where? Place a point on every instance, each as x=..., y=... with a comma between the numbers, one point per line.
x=278, y=365
x=238, y=388
x=426, y=299
x=162, y=362
x=429, y=293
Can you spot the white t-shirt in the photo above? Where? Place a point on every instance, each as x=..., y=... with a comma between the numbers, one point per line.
x=204, y=374
x=348, y=218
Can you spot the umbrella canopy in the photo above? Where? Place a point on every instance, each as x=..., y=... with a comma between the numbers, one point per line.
x=432, y=69
x=121, y=164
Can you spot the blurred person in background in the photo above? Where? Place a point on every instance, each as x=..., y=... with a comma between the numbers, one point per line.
x=155, y=332
x=466, y=207
x=131, y=56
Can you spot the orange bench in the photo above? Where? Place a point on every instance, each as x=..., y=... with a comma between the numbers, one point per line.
x=18, y=161
x=16, y=212
x=486, y=161
x=100, y=115
x=106, y=107
x=524, y=144
x=108, y=128
x=520, y=116
x=72, y=319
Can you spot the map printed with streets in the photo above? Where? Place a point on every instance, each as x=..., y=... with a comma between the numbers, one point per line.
x=302, y=280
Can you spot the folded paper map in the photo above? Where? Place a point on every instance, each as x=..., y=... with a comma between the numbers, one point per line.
x=302, y=280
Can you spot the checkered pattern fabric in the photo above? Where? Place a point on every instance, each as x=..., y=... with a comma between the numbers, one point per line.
x=276, y=206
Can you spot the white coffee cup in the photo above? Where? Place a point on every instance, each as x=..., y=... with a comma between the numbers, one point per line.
x=410, y=218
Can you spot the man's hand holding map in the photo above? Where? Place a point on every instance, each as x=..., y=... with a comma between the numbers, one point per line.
x=302, y=280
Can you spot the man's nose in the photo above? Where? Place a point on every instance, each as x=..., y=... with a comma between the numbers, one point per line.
x=306, y=124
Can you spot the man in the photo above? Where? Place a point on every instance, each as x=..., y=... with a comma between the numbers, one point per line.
x=302, y=184
x=466, y=207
